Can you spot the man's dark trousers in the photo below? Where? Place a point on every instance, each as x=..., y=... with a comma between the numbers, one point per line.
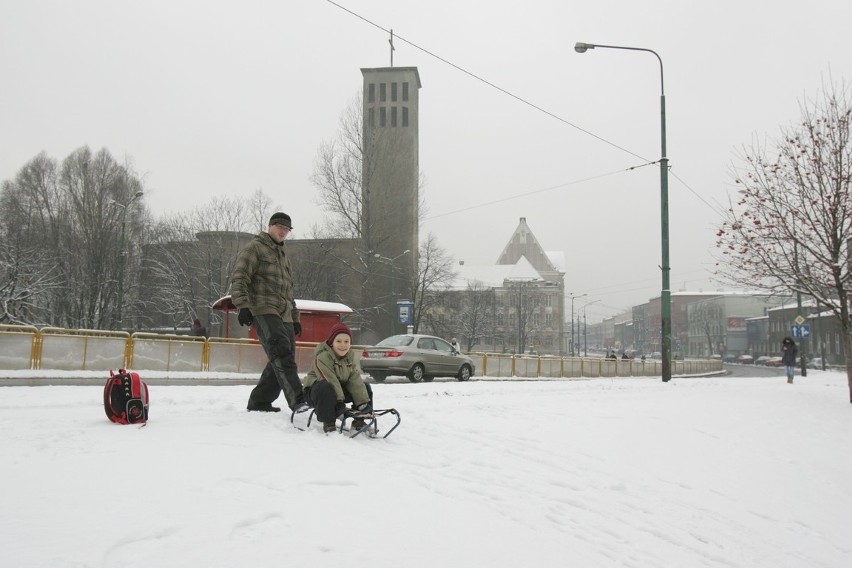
x=280, y=373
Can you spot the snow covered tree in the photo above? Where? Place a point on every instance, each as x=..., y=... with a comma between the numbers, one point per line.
x=791, y=225
x=69, y=218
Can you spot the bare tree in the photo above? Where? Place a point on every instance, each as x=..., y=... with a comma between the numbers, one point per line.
x=343, y=171
x=67, y=217
x=258, y=209
x=318, y=273
x=434, y=276
x=526, y=298
x=468, y=314
x=190, y=255
x=791, y=225
x=337, y=176
x=476, y=316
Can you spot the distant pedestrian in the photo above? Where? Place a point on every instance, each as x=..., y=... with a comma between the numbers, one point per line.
x=198, y=330
x=456, y=347
x=788, y=357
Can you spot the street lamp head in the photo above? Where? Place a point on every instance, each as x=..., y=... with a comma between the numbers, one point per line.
x=581, y=47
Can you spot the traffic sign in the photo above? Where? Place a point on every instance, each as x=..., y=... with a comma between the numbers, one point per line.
x=801, y=331
x=800, y=320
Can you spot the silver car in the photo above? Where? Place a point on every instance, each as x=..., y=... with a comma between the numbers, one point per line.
x=418, y=357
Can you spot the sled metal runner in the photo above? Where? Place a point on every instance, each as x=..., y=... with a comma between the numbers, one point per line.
x=371, y=422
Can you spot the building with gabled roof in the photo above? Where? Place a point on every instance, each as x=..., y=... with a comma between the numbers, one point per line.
x=515, y=305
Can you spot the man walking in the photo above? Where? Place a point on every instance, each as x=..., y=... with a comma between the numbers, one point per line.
x=262, y=289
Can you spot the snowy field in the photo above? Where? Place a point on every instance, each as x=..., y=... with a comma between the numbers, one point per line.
x=712, y=472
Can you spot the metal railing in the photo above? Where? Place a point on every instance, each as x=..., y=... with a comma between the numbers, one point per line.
x=50, y=348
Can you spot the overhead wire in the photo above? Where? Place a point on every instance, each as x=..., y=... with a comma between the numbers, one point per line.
x=522, y=100
x=533, y=192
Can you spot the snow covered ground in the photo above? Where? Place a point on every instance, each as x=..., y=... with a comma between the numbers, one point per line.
x=712, y=472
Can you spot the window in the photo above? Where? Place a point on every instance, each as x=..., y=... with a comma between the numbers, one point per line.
x=382, y=116
x=404, y=117
x=371, y=117
x=405, y=91
x=393, y=116
x=371, y=93
x=383, y=92
x=393, y=92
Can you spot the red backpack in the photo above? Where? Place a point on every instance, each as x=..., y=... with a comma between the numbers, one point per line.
x=126, y=398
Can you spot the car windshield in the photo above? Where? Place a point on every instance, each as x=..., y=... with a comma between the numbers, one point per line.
x=395, y=341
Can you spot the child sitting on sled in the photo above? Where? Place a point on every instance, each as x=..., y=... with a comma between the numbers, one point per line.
x=335, y=379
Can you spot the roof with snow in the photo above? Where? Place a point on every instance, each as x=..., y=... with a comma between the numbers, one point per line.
x=494, y=275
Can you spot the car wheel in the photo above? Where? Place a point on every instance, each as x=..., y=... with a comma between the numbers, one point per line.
x=379, y=377
x=464, y=373
x=415, y=375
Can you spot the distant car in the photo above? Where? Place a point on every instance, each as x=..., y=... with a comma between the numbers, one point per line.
x=418, y=357
x=762, y=360
x=729, y=359
x=815, y=363
x=745, y=359
x=775, y=362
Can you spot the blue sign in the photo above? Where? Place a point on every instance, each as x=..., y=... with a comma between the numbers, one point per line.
x=802, y=331
x=406, y=311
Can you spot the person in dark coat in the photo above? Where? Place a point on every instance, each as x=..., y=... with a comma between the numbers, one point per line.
x=198, y=330
x=262, y=289
x=788, y=357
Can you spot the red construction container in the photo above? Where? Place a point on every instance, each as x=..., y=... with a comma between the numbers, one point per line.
x=317, y=318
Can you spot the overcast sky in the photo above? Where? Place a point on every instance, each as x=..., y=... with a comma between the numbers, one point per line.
x=223, y=98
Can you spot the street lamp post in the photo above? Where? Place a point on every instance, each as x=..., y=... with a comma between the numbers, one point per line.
x=573, y=337
x=585, y=338
x=122, y=253
x=391, y=261
x=665, y=294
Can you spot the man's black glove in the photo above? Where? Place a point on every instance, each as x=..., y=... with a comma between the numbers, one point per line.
x=245, y=317
x=297, y=328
